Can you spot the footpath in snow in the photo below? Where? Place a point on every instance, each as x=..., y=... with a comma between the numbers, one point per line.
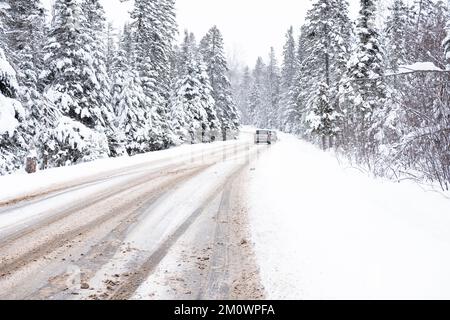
x=325, y=232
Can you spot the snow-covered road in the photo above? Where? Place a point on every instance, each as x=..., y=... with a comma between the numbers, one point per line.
x=100, y=230
x=228, y=220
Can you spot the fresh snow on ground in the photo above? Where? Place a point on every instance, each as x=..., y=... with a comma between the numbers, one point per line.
x=322, y=231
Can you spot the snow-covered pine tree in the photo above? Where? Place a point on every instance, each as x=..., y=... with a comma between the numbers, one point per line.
x=212, y=49
x=187, y=51
x=190, y=101
x=255, y=103
x=73, y=86
x=273, y=91
x=288, y=72
x=366, y=90
x=243, y=95
x=258, y=95
x=169, y=29
x=289, y=63
x=212, y=127
x=12, y=137
x=128, y=99
x=193, y=108
x=100, y=94
x=295, y=115
x=398, y=33
x=111, y=47
x=164, y=53
x=321, y=120
x=325, y=40
x=127, y=42
x=178, y=117
x=154, y=34
x=235, y=75
x=25, y=39
x=26, y=27
x=12, y=115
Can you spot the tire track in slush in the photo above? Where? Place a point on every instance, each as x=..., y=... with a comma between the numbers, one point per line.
x=215, y=280
x=58, y=188
x=136, y=278
x=8, y=267
x=217, y=284
x=52, y=217
x=58, y=241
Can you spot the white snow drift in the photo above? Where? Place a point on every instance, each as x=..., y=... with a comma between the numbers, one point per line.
x=325, y=232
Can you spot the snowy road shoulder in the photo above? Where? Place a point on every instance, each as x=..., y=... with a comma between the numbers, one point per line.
x=323, y=232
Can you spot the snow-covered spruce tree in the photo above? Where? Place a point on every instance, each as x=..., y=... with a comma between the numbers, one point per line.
x=188, y=50
x=193, y=108
x=25, y=36
x=129, y=102
x=322, y=118
x=243, y=95
x=25, y=39
x=235, y=75
x=263, y=95
x=170, y=31
x=273, y=91
x=398, y=33
x=74, y=87
x=12, y=115
x=258, y=95
x=295, y=113
x=212, y=49
x=288, y=72
x=179, y=119
x=212, y=126
x=153, y=28
x=326, y=43
x=191, y=101
x=111, y=47
x=127, y=42
x=365, y=92
x=255, y=102
x=289, y=63
x=100, y=95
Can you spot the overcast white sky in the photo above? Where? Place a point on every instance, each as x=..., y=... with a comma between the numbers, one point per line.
x=250, y=27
